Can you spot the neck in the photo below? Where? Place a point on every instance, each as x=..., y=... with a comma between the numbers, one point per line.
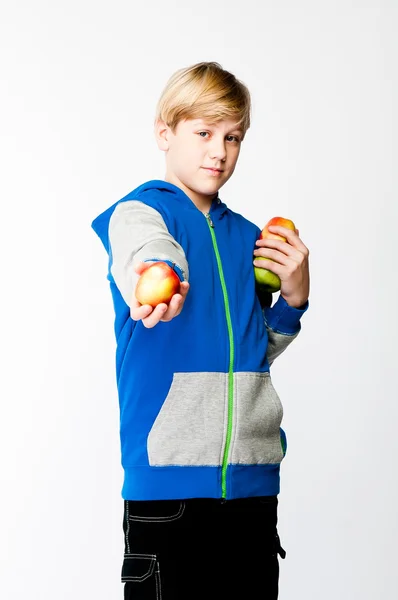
x=202, y=202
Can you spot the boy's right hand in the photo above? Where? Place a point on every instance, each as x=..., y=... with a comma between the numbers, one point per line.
x=162, y=312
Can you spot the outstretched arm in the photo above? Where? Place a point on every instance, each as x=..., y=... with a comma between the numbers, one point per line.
x=138, y=235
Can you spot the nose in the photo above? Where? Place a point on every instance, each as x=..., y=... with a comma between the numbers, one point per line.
x=218, y=150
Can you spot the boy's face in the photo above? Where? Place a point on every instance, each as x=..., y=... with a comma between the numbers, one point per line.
x=200, y=156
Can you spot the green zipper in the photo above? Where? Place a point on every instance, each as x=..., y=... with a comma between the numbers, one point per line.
x=231, y=360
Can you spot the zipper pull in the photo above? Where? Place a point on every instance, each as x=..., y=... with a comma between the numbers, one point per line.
x=208, y=217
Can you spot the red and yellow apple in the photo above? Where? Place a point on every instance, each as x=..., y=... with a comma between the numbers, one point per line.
x=268, y=280
x=158, y=283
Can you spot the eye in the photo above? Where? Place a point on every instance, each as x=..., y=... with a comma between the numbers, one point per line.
x=203, y=134
x=233, y=138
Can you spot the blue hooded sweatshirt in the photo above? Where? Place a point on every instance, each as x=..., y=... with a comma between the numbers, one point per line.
x=199, y=416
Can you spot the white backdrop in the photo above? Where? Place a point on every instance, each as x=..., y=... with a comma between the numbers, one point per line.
x=79, y=85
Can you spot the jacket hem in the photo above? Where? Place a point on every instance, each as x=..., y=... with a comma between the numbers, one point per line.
x=172, y=482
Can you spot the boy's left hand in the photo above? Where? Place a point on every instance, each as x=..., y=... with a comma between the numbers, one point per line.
x=289, y=260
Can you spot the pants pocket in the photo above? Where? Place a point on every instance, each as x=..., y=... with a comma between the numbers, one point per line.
x=140, y=573
x=154, y=511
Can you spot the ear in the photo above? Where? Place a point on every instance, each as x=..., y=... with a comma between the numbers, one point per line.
x=162, y=134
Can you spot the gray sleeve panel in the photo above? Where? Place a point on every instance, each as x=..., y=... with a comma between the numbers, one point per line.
x=137, y=232
x=277, y=343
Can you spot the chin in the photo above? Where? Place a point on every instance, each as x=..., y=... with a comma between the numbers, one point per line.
x=210, y=187
x=208, y=191
x=203, y=189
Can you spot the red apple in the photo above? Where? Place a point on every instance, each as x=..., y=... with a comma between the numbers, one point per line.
x=277, y=221
x=267, y=279
x=157, y=283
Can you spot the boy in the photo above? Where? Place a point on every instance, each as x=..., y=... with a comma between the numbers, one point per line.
x=201, y=442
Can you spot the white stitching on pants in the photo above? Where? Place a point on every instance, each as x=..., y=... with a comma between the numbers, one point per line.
x=158, y=584
x=179, y=514
x=128, y=527
x=140, y=578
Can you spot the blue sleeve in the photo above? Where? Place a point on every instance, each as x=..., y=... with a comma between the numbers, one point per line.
x=283, y=318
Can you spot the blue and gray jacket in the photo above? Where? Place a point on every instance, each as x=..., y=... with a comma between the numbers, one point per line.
x=199, y=416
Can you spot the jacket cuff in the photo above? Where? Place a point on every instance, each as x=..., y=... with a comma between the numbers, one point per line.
x=171, y=264
x=283, y=318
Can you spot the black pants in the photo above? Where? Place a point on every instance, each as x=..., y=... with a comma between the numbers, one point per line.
x=201, y=548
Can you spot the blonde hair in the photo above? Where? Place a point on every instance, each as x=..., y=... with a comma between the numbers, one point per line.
x=205, y=91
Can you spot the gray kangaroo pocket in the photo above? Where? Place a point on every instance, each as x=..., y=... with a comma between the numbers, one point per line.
x=191, y=425
x=258, y=414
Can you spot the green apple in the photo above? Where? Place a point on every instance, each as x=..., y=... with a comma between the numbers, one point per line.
x=268, y=280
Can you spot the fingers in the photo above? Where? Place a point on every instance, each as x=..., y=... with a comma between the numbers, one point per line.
x=147, y=314
x=292, y=237
x=184, y=287
x=139, y=311
x=271, y=265
x=274, y=255
x=277, y=250
x=140, y=267
x=155, y=316
x=176, y=303
x=293, y=247
x=162, y=312
x=174, y=308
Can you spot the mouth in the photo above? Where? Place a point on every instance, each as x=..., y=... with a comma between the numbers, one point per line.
x=213, y=171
